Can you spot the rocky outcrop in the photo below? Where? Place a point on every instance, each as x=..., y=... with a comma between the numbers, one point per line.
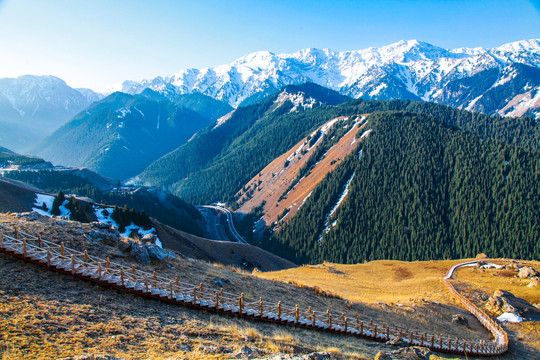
x=505, y=302
x=408, y=353
x=527, y=272
x=140, y=253
x=460, y=320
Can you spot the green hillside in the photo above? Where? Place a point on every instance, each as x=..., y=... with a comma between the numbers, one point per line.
x=120, y=135
x=219, y=160
x=424, y=189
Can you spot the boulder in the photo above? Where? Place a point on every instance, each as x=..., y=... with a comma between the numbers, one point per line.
x=460, y=320
x=407, y=353
x=246, y=353
x=149, y=239
x=397, y=341
x=140, y=253
x=527, y=272
x=125, y=245
x=221, y=281
x=505, y=302
x=317, y=356
x=534, y=282
x=155, y=252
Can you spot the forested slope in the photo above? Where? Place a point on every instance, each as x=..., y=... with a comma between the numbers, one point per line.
x=425, y=189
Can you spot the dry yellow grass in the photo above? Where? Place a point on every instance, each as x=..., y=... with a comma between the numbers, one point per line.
x=386, y=281
x=490, y=280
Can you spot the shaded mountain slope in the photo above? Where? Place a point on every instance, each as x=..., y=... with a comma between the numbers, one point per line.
x=120, y=135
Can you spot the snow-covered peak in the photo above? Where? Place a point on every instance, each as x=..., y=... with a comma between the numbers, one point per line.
x=532, y=45
x=407, y=68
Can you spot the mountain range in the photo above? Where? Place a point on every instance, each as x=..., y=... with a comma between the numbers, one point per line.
x=504, y=80
x=32, y=107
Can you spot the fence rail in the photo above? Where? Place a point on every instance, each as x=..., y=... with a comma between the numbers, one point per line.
x=60, y=258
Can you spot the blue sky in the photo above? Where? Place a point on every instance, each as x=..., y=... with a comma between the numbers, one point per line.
x=94, y=43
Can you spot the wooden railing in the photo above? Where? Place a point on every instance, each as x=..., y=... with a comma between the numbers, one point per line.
x=500, y=344
x=60, y=258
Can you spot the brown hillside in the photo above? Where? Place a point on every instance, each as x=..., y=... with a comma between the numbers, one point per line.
x=274, y=179
x=16, y=196
x=44, y=314
x=223, y=252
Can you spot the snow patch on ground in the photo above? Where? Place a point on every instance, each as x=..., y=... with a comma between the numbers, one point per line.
x=103, y=216
x=509, y=317
x=223, y=119
x=140, y=112
x=48, y=201
x=366, y=133
x=298, y=100
x=123, y=112
x=334, y=209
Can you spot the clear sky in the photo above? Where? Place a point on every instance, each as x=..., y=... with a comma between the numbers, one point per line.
x=94, y=43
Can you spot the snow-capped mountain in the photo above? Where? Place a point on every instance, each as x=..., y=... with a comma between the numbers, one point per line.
x=478, y=79
x=32, y=107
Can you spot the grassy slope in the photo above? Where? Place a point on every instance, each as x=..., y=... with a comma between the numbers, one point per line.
x=275, y=178
x=405, y=283
x=44, y=314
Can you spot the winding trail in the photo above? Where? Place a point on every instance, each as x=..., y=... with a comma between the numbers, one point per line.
x=54, y=256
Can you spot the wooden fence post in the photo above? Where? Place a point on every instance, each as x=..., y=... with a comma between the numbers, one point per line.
x=86, y=256
x=122, y=276
x=1, y=239
x=329, y=319
x=133, y=269
x=155, y=278
x=16, y=234
x=241, y=303
x=296, y=315
x=24, y=246
x=261, y=312
x=108, y=264
x=146, y=282
x=40, y=242
x=62, y=248
x=314, y=319
x=217, y=301
x=346, y=323
x=432, y=340
x=361, y=328
x=194, y=294
x=375, y=331
x=279, y=310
